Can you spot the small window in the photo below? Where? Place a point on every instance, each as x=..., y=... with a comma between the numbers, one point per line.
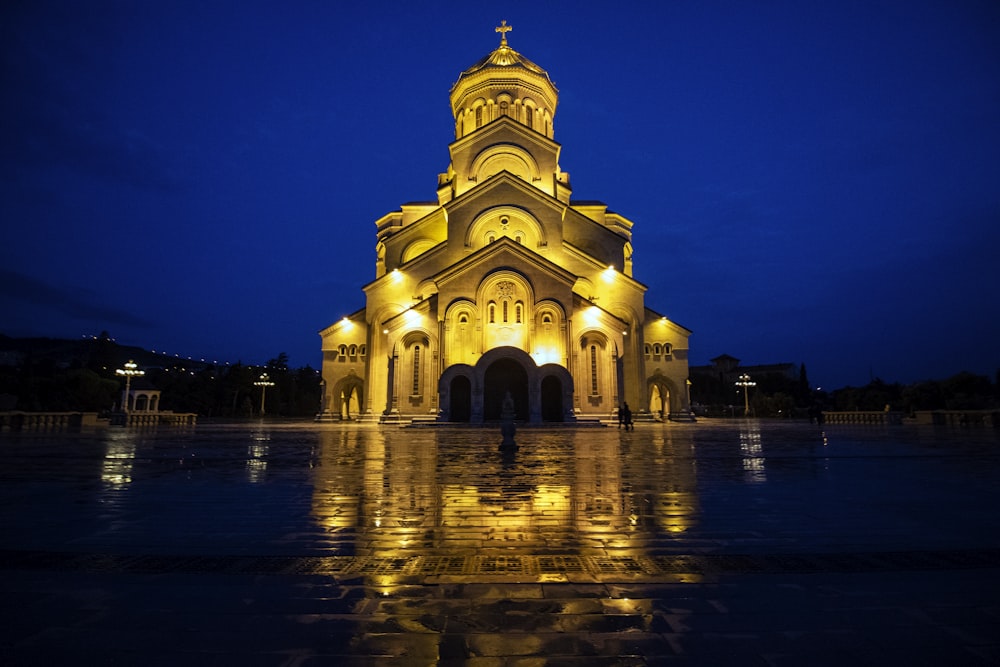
x=517, y=313
x=463, y=319
x=529, y=117
x=479, y=116
x=647, y=350
x=361, y=350
x=504, y=108
x=593, y=369
x=517, y=239
x=493, y=313
x=505, y=312
x=546, y=319
x=656, y=349
x=353, y=351
x=342, y=350
x=416, y=370
x=491, y=238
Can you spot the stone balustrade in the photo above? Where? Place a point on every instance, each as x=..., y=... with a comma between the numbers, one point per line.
x=959, y=417
x=16, y=419
x=863, y=417
x=154, y=418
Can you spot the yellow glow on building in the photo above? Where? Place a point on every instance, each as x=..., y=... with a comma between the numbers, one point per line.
x=412, y=317
x=546, y=355
x=498, y=271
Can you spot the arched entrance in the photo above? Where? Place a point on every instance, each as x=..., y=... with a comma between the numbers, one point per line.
x=501, y=376
x=659, y=388
x=348, y=395
x=656, y=401
x=460, y=393
x=350, y=403
x=552, y=395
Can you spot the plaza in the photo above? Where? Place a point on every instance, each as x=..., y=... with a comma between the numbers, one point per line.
x=737, y=542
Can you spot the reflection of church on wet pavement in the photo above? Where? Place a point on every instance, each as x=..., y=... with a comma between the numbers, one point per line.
x=504, y=283
x=393, y=493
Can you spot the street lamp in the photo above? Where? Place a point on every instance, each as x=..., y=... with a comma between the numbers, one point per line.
x=746, y=383
x=131, y=368
x=264, y=382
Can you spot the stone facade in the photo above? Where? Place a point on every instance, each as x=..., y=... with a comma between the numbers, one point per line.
x=504, y=284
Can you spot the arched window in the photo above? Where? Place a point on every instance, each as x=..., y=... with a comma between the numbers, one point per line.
x=593, y=369
x=656, y=349
x=517, y=239
x=342, y=351
x=504, y=108
x=493, y=313
x=647, y=350
x=362, y=350
x=491, y=238
x=505, y=312
x=463, y=319
x=479, y=116
x=353, y=351
x=517, y=313
x=416, y=370
x=529, y=117
x=546, y=319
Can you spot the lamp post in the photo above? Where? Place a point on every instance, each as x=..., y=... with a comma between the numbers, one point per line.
x=746, y=383
x=131, y=368
x=264, y=382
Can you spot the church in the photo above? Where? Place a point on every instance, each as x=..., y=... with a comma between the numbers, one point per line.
x=504, y=284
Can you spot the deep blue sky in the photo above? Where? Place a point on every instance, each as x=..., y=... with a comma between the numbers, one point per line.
x=815, y=183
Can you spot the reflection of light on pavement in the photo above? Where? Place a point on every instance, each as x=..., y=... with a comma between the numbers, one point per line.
x=675, y=510
x=753, y=459
x=403, y=499
x=116, y=471
x=257, y=456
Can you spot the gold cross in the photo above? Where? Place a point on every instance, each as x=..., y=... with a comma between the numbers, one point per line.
x=503, y=30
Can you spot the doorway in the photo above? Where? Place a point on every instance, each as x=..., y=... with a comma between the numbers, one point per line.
x=502, y=376
x=552, y=403
x=460, y=394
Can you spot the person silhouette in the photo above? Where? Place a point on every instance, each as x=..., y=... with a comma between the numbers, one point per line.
x=626, y=417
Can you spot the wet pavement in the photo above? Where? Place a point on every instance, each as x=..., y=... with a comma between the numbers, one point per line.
x=715, y=543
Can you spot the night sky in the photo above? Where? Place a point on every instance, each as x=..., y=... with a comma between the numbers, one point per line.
x=813, y=183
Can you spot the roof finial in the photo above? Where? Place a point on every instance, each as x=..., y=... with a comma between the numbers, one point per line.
x=503, y=29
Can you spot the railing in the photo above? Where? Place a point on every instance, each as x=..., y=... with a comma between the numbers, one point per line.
x=153, y=418
x=959, y=417
x=16, y=419
x=863, y=417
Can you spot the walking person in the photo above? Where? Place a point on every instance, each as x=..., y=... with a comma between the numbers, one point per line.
x=626, y=417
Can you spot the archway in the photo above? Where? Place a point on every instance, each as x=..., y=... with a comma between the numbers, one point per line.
x=552, y=394
x=350, y=403
x=661, y=392
x=348, y=396
x=658, y=400
x=502, y=376
x=460, y=394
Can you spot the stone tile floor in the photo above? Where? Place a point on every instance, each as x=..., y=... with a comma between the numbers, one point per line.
x=716, y=543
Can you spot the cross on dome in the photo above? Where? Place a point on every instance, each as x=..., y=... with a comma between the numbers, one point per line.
x=503, y=29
